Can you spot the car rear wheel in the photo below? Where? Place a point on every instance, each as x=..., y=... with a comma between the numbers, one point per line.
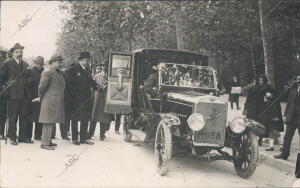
x=127, y=124
x=245, y=160
x=163, y=148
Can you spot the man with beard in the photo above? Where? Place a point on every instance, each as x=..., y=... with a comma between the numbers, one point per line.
x=15, y=73
x=79, y=85
x=3, y=99
x=292, y=120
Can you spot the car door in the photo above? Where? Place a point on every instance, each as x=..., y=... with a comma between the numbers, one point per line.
x=120, y=80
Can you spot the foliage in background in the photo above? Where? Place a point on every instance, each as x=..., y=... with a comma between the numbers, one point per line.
x=228, y=31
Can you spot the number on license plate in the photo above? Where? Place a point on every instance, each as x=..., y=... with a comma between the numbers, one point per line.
x=210, y=135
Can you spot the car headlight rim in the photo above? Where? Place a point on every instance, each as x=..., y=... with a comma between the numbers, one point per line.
x=238, y=125
x=196, y=121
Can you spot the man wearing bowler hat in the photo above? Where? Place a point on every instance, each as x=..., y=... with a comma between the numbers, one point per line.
x=79, y=85
x=51, y=92
x=16, y=75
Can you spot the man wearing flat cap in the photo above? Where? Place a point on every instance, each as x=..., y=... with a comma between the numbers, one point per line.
x=36, y=72
x=3, y=98
x=15, y=74
x=79, y=85
x=51, y=92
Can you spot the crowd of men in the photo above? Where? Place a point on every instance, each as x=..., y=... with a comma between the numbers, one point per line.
x=45, y=97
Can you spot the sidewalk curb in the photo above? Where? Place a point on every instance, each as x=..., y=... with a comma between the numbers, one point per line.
x=287, y=167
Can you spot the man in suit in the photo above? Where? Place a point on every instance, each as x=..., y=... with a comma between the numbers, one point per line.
x=79, y=85
x=292, y=120
x=3, y=99
x=15, y=73
x=35, y=110
x=51, y=92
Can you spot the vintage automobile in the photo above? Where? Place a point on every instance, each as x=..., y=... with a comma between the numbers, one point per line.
x=171, y=97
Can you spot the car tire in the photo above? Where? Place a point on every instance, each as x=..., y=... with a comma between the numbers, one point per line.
x=163, y=147
x=126, y=125
x=245, y=165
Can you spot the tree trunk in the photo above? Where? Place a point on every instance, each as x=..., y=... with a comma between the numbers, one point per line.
x=267, y=42
x=179, y=31
x=253, y=63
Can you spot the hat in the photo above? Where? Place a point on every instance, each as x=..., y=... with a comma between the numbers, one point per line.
x=39, y=60
x=16, y=46
x=55, y=58
x=84, y=55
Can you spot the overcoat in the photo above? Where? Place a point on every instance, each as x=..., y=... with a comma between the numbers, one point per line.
x=79, y=87
x=272, y=112
x=291, y=106
x=99, y=115
x=36, y=106
x=11, y=70
x=51, y=92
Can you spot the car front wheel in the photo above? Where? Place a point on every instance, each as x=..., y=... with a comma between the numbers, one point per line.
x=163, y=147
x=246, y=155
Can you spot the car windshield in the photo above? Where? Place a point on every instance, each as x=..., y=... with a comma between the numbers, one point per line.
x=182, y=75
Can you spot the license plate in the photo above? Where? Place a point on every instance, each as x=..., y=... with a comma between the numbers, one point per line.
x=209, y=135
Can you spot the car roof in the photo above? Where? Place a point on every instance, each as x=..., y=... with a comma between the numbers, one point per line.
x=156, y=50
x=164, y=52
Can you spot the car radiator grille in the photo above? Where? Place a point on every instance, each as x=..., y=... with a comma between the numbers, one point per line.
x=213, y=132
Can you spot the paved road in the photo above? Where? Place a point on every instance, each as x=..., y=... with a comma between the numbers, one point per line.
x=114, y=163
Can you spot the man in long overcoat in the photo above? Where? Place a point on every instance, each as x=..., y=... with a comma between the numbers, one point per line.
x=3, y=99
x=51, y=93
x=292, y=120
x=79, y=85
x=16, y=74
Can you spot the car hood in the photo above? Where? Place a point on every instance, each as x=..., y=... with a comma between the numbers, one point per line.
x=195, y=98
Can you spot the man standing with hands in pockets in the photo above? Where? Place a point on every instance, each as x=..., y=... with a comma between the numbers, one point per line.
x=51, y=93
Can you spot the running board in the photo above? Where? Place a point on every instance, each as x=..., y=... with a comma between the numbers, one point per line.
x=138, y=134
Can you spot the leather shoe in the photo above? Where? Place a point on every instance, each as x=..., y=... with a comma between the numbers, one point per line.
x=87, y=142
x=270, y=149
x=28, y=141
x=76, y=143
x=53, y=144
x=47, y=147
x=67, y=138
x=280, y=156
x=13, y=142
x=2, y=137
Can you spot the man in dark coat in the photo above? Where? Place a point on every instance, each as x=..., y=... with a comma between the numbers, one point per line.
x=292, y=120
x=3, y=99
x=79, y=85
x=35, y=107
x=15, y=73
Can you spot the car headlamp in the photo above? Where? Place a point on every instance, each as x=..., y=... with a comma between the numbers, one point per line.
x=196, y=121
x=238, y=125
